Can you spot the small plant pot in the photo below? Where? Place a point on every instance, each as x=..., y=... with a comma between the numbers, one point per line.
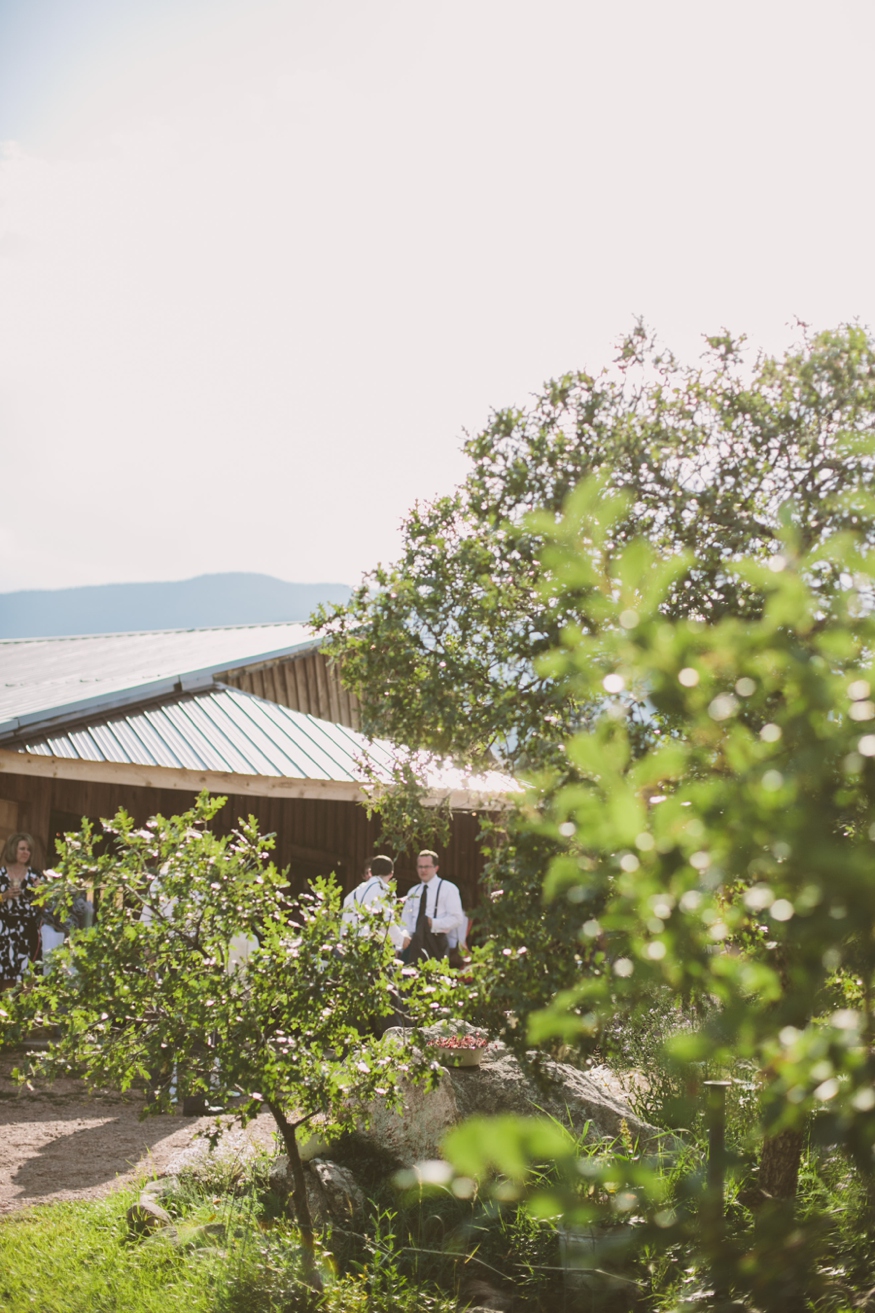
x=456, y=1057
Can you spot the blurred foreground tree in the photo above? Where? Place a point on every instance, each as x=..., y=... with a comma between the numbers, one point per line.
x=716, y=843
x=151, y=993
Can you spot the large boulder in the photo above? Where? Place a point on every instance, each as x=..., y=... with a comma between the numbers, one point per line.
x=588, y=1103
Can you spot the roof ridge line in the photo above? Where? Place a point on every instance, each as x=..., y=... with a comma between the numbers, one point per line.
x=136, y=633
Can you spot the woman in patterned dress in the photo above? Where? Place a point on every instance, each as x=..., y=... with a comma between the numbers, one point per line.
x=19, y=918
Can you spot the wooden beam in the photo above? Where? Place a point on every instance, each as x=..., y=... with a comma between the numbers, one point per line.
x=168, y=777
x=193, y=781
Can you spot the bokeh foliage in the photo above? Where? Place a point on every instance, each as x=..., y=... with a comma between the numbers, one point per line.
x=715, y=844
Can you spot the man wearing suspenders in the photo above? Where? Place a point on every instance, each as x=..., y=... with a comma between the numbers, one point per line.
x=432, y=911
x=376, y=892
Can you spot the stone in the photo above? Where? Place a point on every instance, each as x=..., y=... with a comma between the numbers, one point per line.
x=416, y=1132
x=146, y=1216
x=310, y=1146
x=279, y=1178
x=588, y=1103
x=236, y=1152
x=165, y=1235
x=341, y=1196
x=333, y=1193
x=165, y=1187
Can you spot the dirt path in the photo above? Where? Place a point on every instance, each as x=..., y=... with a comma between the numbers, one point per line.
x=57, y=1142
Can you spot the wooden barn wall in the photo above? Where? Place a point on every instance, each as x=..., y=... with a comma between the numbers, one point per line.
x=313, y=836
x=308, y=683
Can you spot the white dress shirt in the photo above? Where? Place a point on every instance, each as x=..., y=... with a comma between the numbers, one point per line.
x=376, y=894
x=449, y=919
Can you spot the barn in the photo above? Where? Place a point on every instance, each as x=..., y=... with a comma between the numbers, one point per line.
x=254, y=712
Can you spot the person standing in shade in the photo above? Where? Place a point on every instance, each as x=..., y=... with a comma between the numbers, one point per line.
x=19, y=918
x=432, y=914
x=55, y=929
x=376, y=892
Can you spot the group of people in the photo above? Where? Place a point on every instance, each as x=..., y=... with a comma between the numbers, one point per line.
x=430, y=922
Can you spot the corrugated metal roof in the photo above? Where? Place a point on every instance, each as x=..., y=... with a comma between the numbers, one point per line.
x=40, y=677
x=228, y=730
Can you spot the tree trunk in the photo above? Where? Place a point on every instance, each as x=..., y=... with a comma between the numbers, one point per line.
x=784, y=1271
x=779, y=1164
x=299, y=1196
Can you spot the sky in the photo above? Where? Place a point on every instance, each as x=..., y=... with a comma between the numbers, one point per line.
x=262, y=265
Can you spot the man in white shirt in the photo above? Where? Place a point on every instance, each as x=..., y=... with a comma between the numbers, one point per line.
x=376, y=892
x=435, y=901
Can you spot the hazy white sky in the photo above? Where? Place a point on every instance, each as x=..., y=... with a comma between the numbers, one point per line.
x=262, y=263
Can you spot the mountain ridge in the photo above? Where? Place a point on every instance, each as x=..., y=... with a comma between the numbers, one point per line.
x=203, y=602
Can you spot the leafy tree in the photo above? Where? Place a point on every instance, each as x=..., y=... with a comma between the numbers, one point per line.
x=716, y=842
x=149, y=991
x=444, y=647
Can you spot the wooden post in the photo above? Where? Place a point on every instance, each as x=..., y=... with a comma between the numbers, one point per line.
x=713, y=1218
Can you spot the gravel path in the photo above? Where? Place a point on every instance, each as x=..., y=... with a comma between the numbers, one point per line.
x=57, y=1142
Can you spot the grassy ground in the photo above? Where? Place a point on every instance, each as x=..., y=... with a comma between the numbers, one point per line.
x=234, y=1251
x=67, y=1257
x=233, y=1255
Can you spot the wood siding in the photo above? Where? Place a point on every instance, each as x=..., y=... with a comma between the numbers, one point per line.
x=313, y=836
x=308, y=683
x=8, y=820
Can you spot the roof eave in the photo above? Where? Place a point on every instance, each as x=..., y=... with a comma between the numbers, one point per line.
x=192, y=681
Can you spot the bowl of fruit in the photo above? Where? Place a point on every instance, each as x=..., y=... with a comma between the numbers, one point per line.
x=458, y=1050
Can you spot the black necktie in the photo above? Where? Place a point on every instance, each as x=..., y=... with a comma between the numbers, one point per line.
x=422, y=902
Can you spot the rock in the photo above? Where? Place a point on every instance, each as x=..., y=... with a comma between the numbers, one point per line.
x=309, y=1147
x=279, y=1178
x=585, y=1104
x=146, y=1216
x=572, y=1096
x=165, y=1235
x=343, y=1199
x=165, y=1187
x=332, y=1191
x=415, y=1133
x=186, y=1236
x=235, y=1153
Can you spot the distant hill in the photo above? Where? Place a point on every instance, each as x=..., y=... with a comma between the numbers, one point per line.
x=204, y=602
